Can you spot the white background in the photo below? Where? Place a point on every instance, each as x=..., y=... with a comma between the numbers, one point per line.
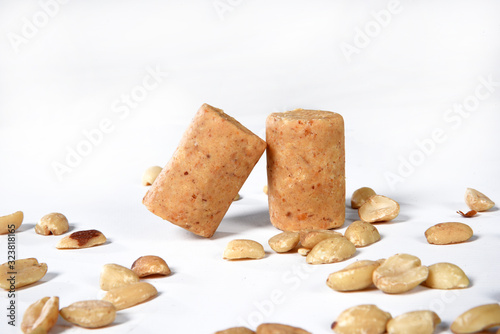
x=68, y=74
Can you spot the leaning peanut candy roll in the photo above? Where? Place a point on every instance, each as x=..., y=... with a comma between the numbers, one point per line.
x=211, y=163
x=306, y=169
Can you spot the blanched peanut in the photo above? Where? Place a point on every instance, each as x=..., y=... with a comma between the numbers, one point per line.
x=89, y=313
x=243, y=249
x=356, y=276
x=130, y=295
x=27, y=271
x=448, y=233
x=265, y=189
x=310, y=238
x=361, y=319
x=446, y=276
x=303, y=251
x=150, y=265
x=360, y=196
x=331, y=250
x=400, y=273
x=417, y=322
x=11, y=222
x=378, y=208
x=53, y=223
x=150, y=175
x=477, y=319
x=279, y=329
x=41, y=316
x=361, y=233
x=82, y=239
x=114, y=276
x=236, y=330
x=284, y=241
x=477, y=201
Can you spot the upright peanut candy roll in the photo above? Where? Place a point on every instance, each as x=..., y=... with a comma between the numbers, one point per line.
x=306, y=169
x=211, y=163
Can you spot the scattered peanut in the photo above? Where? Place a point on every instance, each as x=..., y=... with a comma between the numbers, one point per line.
x=361, y=319
x=243, y=249
x=114, y=276
x=82, y=239
x=284, y=241
x=378, y=208
x=477, y=201
x=27, y=271
x=310, y=238
x=417, y=322
x=477, y=319
x=360, y=196
x=446, y=276
x=361, y=233
x=53, y=223
x=468, y=214
x=303, y=251
x=356, y=276
x=150, y=175
x=236, y=330
x=11, y=222
x=41, y=316
x=89, y=313
x=150, y=265
x=448, y=233
x=236, y=198
x=399, y=273
x=331, y=250
x=279, y=329
x=130, y=295
x=265, y=189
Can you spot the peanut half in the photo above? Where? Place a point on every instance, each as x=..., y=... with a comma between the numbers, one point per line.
x=417, y=322
x=361, y=319
x=114, y=276
x=284, y=242
x=477, y=319
x=243, y=249
x=21, y=272
x=360, y=196
x=279, y=329
x=11, y=222
x=236, y=330
x=310, y=238
x=448, y=233
x=356, y=276
x=378, y=208
x=41, y=316
x=52, y=223
x=89, y=313
x=82, y=239
x=446, y=276
x=400, y=273
x=362, y=234
x=150, y=265
x=130, y=295
x=331, y=250
x=150, y=175
x=477, y=201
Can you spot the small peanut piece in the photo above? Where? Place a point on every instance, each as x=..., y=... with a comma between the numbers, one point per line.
x=82, y=239
x=265, y=189
x=356, y=276
x=477, y=201
x=361, y=319
x=448, y=233
x=360, y=196
x=236, y=198
x=446, y=276
x=52, y=223
x=41, y=316
x=89, y=313
x=243, y=249
x=236, y=330
x=150, y=265
x=378, y=208
x=303, y=251
x=284, y=242
x=362, y=234
x=130, y=295
x=331, y=250
x=114, y=276
x=27, y=271
x=310, y=238
x=11, y=222
x=150, y=175
x=400, y=273
x=477, y=319
x=417, y=322
x=279, y=329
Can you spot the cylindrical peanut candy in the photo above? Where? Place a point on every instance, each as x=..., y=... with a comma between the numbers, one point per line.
x=306, y=169
x=211, y=163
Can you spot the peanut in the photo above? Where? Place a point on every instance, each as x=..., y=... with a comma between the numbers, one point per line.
x=362, y=234
x=150, y=265
x=89, y=313
x=265, y=189
x=27, y=271
x=150, y=175
x=11, y=222
x=82, y=239
x=399, y=273
x=284, y=241
x=114, y=276
x=41, y=316
x=130, y=295
x=236, y=198
x=243, y=249
x=303, y=251
x=310, y=238
x=356, y=276
x=360, y=196
x=477, y=201
x=477, y=319
x=236, y=330
x=52, y=223
x=378, y=208
x=279, y=329
x=448, y=233
x=361, y=319
x=331, y=250
x=417, y=322
x=446, y=276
